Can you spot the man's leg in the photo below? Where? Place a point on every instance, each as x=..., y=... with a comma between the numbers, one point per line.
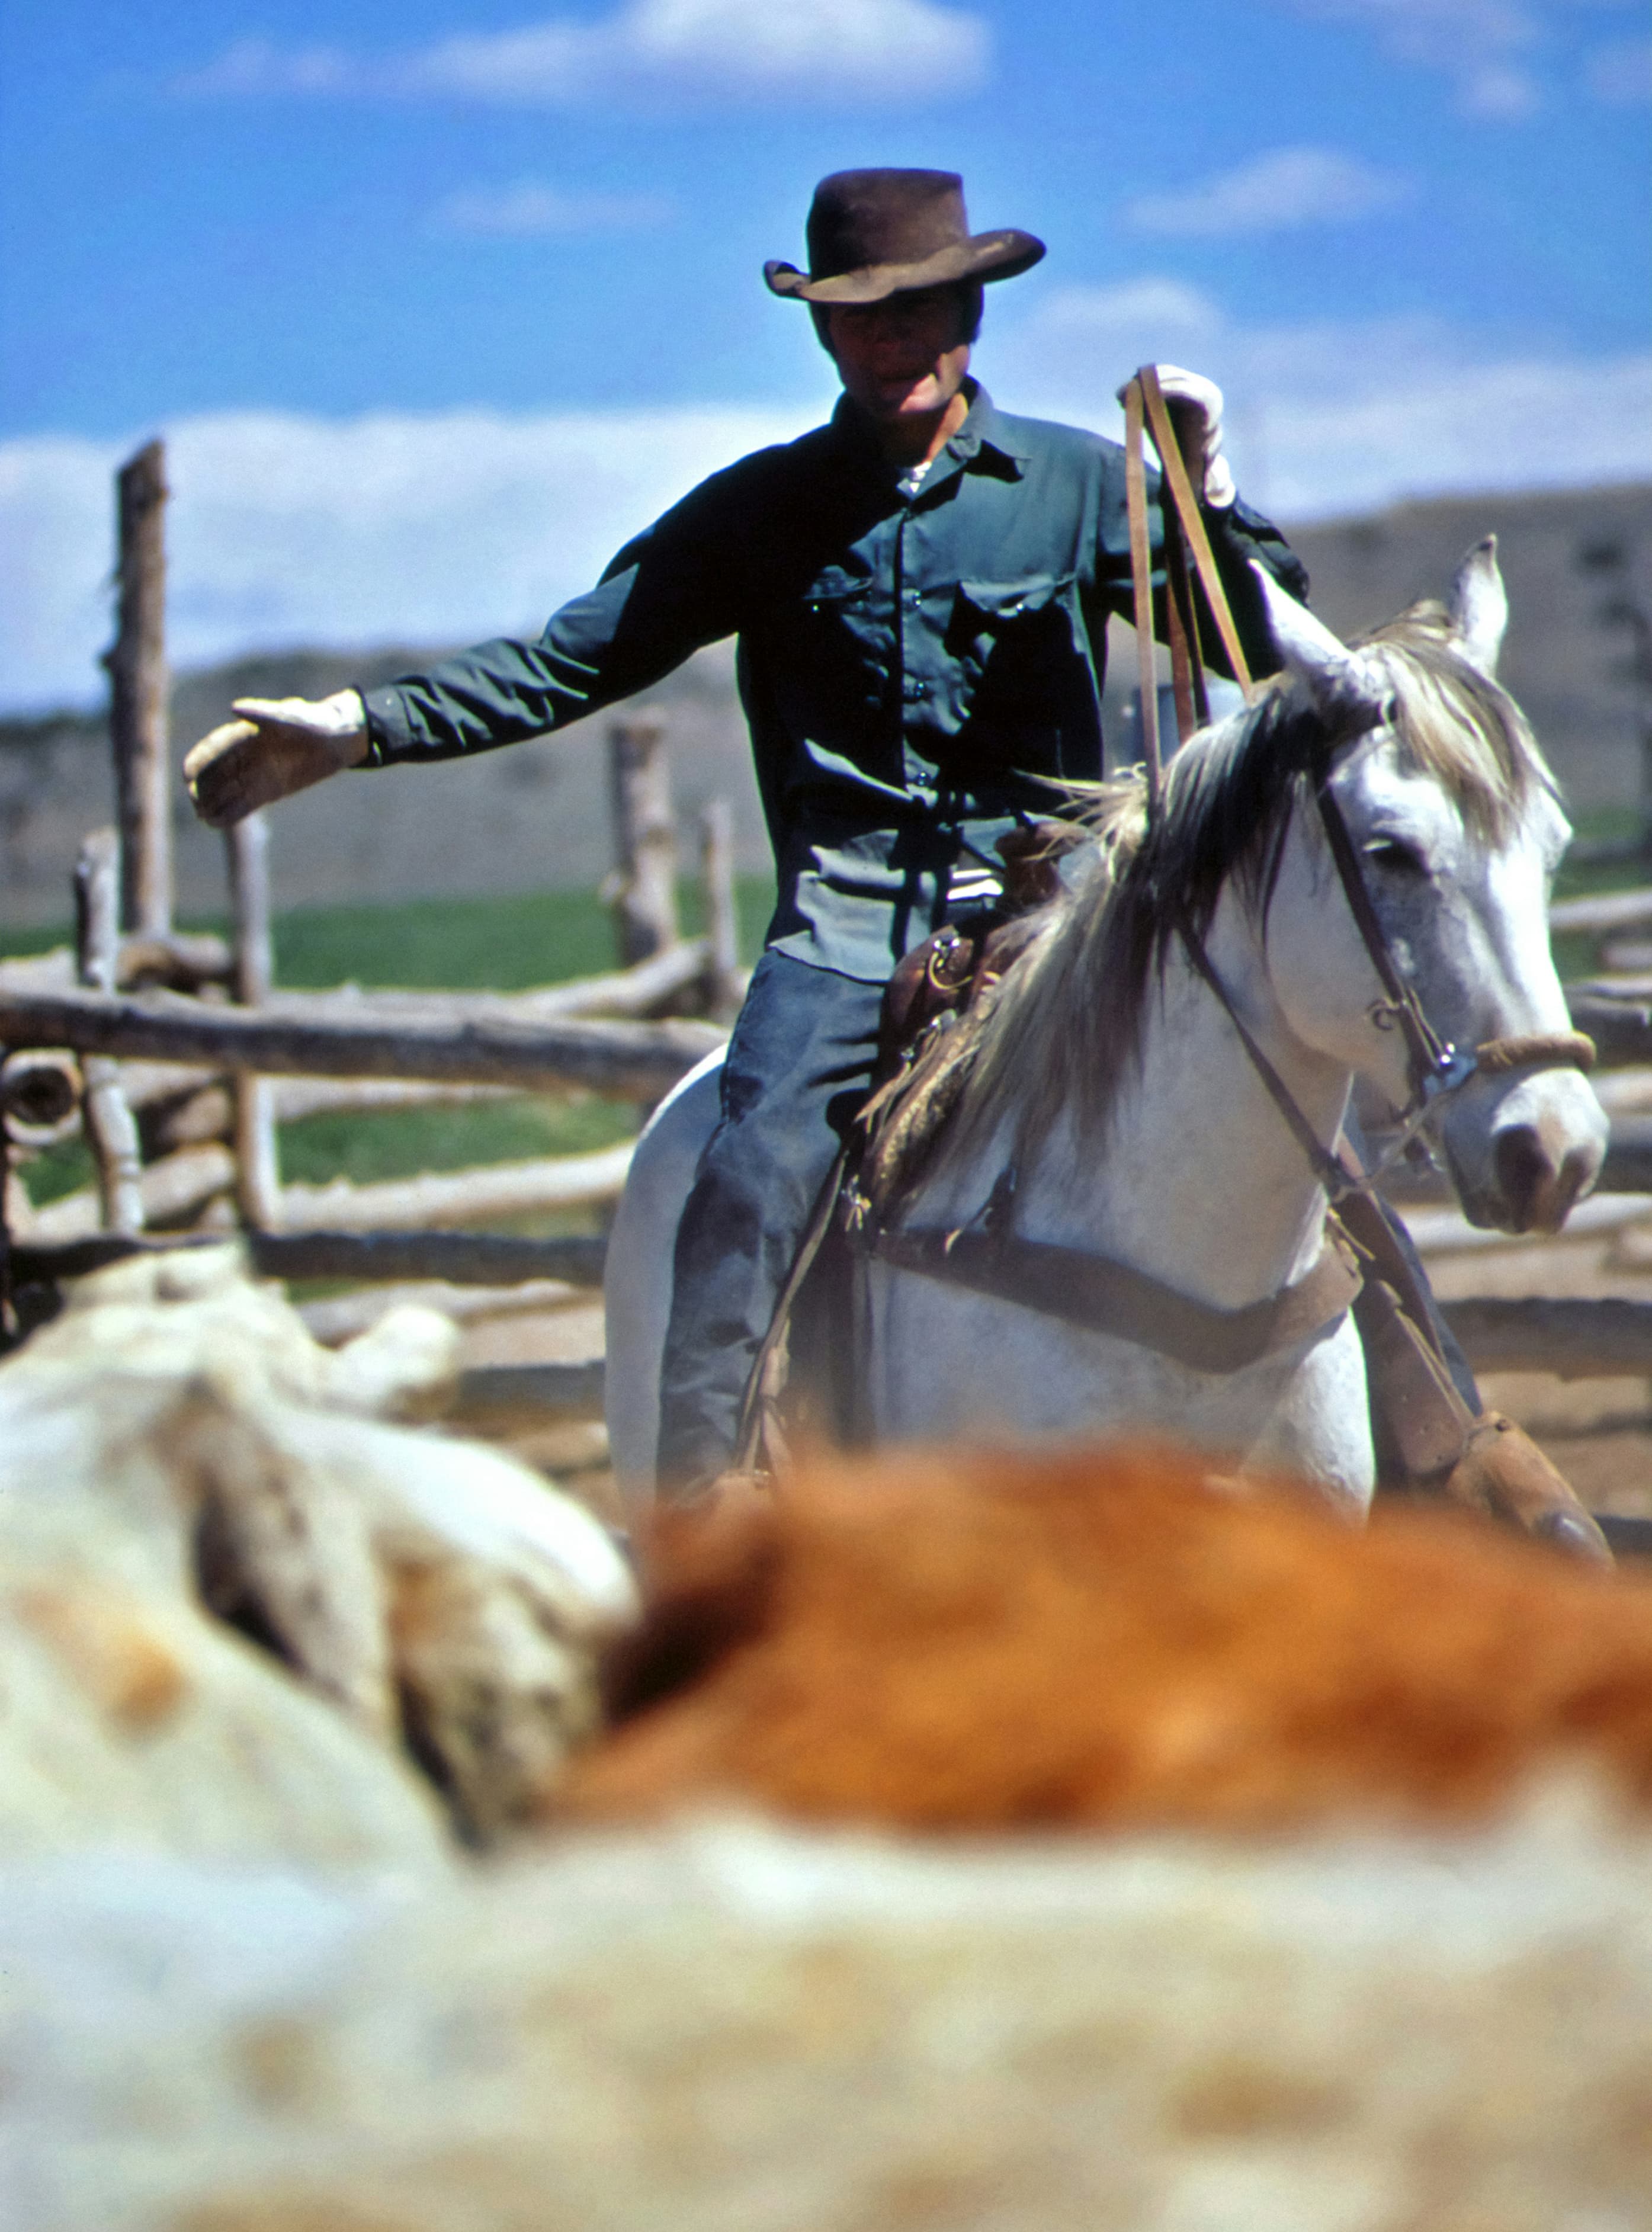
x=798, y=1069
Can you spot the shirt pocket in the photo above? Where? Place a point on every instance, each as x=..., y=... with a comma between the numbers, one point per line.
x=826, y=653
x=1015, y=641
x=833, y=593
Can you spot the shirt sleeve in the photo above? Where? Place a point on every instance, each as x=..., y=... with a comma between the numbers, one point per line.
x=667, y=594
x=1237, y=535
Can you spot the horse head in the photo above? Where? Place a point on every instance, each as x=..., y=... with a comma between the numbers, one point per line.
x=1456, y=829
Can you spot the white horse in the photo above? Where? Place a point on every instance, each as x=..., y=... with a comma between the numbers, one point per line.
x=1114, y=1084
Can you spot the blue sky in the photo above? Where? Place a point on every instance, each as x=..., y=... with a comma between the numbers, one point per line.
x=438, y=302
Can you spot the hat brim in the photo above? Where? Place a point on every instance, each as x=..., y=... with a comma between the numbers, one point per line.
x=986, y=256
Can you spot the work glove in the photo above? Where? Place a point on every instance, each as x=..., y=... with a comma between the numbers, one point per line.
x=278, y=746
x=1195, y=404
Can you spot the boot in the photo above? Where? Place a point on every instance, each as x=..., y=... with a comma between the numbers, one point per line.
x=1503, y=1473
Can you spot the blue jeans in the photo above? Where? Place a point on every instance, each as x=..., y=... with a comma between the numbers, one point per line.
x=799, y=1066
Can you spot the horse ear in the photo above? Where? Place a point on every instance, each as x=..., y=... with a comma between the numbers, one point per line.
x=1478, y=606
x=1331, y=672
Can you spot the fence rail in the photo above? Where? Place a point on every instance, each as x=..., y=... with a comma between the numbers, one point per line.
x=461, y=1259
x=450, y=1040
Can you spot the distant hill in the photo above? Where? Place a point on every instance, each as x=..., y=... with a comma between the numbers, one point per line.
x=537, y=816
x=534, y=817
x=1565, y=556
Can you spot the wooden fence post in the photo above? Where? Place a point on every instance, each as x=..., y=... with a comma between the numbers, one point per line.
x=110, y=1125
x=138, y=710
x=722, y=983
x=642, y=887
x=257, y=1168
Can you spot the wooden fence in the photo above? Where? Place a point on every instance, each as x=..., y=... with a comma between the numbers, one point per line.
x=177, y=1056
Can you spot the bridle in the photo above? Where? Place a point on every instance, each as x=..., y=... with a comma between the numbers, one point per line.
x=1435, y=1067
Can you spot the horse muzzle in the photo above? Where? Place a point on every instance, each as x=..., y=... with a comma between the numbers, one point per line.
x=1523, y=1152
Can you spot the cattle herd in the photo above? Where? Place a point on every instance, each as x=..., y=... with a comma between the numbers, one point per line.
x=961, y=1837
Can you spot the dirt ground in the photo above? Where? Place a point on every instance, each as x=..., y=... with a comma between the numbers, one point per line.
x=574, y=1452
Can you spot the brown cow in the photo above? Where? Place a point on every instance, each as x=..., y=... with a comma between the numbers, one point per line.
x=950, y=1641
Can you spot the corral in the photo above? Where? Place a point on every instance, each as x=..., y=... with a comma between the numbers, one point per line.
x=1425, y=2010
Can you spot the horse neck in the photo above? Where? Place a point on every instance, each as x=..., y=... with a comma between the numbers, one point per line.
x=1199, y=1180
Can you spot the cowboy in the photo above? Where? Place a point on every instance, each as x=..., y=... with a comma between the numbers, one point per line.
x=920, y=590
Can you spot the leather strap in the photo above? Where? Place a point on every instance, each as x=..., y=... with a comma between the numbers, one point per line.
x=1175, y=476
x=1181, y=532
x=1427, y=1054
x=1141, y=570
x=1104, y=1295
x=759, y=1429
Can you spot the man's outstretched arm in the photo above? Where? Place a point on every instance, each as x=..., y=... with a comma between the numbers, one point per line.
x=667, y=594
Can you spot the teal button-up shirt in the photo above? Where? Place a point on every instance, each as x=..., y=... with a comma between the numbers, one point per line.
x=918, y=665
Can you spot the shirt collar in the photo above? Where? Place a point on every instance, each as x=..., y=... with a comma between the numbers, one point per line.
x=986, y=428
x=984, y=437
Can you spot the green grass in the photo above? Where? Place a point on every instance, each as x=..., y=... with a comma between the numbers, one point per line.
x=57, y=1171
x=510, y=943
x=502, y=944
x=396, y=1142
x=505, y=944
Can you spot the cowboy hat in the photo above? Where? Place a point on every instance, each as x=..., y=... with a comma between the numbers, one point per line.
x=875, y=233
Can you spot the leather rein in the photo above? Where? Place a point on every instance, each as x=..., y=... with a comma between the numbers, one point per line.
x=1098, y=1292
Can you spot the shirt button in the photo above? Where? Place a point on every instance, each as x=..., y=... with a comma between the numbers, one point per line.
x=915, y=693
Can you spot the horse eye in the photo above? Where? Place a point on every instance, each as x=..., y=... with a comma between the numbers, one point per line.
x=1392, y=853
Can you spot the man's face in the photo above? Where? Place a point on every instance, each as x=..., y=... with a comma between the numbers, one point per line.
x=901, y=358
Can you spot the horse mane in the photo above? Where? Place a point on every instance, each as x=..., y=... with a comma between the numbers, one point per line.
x=1066, y=1028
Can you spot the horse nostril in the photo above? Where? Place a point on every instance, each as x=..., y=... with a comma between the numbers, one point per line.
x=1575, y=1173
x=1523, y=1173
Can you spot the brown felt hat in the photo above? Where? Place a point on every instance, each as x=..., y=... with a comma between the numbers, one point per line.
x=875, y=233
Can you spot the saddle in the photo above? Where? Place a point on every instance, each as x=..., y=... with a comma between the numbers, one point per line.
x=934, y=1007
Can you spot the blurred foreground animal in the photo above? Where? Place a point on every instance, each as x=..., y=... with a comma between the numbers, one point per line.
x=1111, y=1207
x=953, y=1640
x=176, y=1446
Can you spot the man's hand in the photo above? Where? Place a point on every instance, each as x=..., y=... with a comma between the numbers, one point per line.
x=280, y=745
x=1195, y=404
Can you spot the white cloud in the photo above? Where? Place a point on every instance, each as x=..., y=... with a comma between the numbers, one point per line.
x=527, y=210
x=1485, y=45
x=1277, y=192
x=900, y=51
x=1620, y=73
x=1342, y=416
x=284, y=529
x=259, y=66
x=451, y=527
x=56, y=552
